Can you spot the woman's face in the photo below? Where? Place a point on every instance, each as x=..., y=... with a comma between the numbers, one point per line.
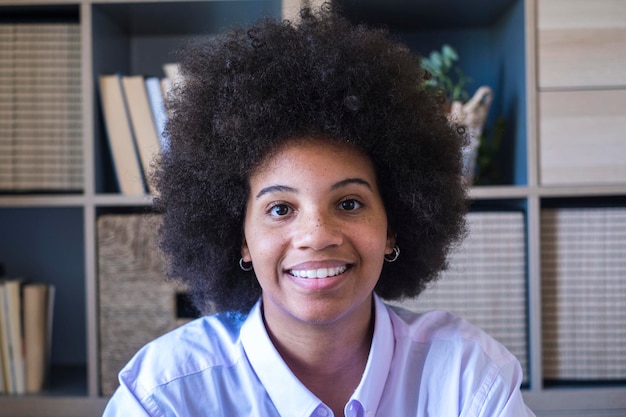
x=316, y=232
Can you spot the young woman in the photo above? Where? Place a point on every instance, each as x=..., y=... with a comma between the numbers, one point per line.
x=310, y=175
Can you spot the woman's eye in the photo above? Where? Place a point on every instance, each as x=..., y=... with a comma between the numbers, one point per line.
x=279, y=210
x=350, y=205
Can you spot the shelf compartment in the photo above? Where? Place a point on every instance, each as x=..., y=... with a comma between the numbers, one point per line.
x=45, y=244
x=136, y=304
x=137, y=38
x=41, y=127
x=486, y=282
x=491, y=47
x=583, y=268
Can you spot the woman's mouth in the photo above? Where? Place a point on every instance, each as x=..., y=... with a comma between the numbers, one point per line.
x=318, y=273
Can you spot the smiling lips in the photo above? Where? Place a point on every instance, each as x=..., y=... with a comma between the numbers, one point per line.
x=318, y=273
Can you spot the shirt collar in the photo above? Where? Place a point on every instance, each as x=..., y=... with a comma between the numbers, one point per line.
x=370, y=390
x=289, y=395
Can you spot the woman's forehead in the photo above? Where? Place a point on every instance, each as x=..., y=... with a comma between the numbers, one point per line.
x=323, y=147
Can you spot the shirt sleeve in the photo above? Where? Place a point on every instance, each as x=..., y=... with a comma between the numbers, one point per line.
x=505, y=397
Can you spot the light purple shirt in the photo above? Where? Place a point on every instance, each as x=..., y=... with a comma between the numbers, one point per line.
x=431, y=364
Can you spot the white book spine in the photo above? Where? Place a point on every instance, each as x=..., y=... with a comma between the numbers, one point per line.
x=119, y=132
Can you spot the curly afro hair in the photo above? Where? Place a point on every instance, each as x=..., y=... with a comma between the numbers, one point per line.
x=246, y=92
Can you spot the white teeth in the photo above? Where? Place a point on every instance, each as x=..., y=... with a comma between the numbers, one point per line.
x=318, y=273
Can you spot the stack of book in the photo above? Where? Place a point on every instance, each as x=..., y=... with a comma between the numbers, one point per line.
x=25, y=335
x=41, y=129
x=134, y=113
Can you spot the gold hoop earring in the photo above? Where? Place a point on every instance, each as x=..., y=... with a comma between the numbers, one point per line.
x=392, y=257
x=245, y=266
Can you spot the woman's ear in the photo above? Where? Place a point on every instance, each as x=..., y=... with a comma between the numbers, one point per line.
x=391, y=242
x=245, y=252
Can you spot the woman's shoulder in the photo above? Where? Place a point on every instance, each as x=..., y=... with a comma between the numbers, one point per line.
x=437, y=348
x=206, y=342
x=443, y=327
x=210, y=332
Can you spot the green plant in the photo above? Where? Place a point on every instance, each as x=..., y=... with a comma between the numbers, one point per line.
x=445, y=73
x=487, y=172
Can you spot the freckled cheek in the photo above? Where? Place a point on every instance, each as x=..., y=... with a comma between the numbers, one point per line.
x=265, y=245
x=373, y=240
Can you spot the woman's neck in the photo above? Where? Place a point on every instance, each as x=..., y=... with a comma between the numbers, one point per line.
x=329, y=359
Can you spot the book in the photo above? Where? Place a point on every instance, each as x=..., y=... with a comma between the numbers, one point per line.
x=142, y=122
x=157, y=104
x=172, y=71
x=172, y=79
x=4, y=347
x=2, y=366
x=120, y=135
x=13, y=348
x=38, y=301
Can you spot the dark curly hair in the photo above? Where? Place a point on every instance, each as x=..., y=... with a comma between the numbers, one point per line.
x=248, y=91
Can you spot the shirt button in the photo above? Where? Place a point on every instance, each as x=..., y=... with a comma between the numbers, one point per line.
x=322, y=412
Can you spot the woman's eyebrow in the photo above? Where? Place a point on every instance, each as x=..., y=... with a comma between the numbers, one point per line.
x=276, y=189
x=287, y=189
x=348, y=181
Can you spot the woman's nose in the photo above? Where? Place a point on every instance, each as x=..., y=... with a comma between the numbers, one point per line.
x=317, y=230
